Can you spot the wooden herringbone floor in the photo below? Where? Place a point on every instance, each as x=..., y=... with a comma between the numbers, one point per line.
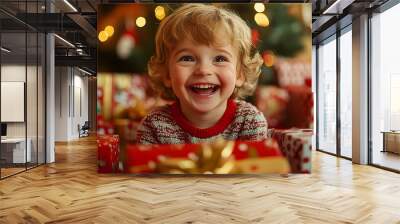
x=70, y=191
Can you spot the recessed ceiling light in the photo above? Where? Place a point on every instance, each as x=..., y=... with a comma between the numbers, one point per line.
x=65, y=41
x=5, y=50
x=84, y=71
x=70, y=5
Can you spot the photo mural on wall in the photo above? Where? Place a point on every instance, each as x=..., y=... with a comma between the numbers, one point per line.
x=204, y=88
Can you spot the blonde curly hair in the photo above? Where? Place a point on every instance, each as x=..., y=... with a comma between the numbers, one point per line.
x=199, y=23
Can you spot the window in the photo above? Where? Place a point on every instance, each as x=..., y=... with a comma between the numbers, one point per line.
x=346, y=93
x=22, y=66
x=385, y=85
x=327, y=96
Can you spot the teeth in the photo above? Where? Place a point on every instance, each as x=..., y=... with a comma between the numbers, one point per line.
x=204, y=86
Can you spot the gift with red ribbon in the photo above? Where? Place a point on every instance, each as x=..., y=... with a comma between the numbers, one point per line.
x=108, y=153
x=220, y=157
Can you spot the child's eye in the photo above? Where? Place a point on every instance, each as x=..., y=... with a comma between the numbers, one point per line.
x=186, y=58
x=221, y=58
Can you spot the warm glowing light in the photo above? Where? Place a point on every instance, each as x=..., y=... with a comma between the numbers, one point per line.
x=140, y=22
x=103, y=36
x=109, y=30
x=259, y=7
x=261, y=19
x=159, y=12
x=269, y=58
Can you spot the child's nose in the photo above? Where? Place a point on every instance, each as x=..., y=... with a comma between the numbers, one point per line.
x=203, y=68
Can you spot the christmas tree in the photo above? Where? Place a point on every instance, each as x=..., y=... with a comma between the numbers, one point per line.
x=275, y=31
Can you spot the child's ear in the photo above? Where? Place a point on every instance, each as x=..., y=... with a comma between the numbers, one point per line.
x=240, y=79
x=167, y=80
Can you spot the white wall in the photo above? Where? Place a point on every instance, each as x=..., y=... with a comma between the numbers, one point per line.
x=33, y=127
x=81, y=101
x=12, y=73
x=71, y=93
x=61, y=103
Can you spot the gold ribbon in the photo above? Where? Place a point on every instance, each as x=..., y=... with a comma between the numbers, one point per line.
x=209, y=159
x=217, y=158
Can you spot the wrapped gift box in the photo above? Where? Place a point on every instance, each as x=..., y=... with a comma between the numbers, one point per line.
x=108, y=153
x=296, y=146
x=104, y=127
x=300, y=107
x=221, y=157
x=287, y=148
x=286, y=107
x=272, y=101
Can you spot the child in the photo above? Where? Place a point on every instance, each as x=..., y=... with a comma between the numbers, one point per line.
x=204, y=60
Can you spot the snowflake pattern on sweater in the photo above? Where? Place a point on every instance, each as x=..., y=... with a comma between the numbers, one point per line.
x=167, y=125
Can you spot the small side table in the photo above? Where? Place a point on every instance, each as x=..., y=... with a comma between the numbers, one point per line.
x=391, y=141
x=16, y=148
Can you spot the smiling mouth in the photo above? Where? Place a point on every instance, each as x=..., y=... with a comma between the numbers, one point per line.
x=204, y=89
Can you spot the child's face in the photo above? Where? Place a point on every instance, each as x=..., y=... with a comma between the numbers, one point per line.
x=203, y=77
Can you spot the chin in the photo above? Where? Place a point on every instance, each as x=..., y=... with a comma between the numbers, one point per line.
x=205, y=107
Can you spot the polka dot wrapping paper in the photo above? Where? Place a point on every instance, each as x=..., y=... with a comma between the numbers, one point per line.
x=296, y=147
x=108, y=152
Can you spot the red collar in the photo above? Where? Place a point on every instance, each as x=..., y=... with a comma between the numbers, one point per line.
x=219, y=127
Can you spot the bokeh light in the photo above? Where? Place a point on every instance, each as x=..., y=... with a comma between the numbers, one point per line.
x=140, y=21
x=261, y=19
x=109, y=30
x=159, y=12
x=259, y=7
x=269, y=58
x=103, y=36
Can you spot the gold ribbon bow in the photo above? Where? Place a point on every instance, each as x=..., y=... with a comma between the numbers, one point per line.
x=214, y=158
x=217, y=158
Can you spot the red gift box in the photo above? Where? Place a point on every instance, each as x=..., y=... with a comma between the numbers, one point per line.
x=108, y=153
x=104, y=127
x=144, y=158
x=272, y=102
x=299, y=110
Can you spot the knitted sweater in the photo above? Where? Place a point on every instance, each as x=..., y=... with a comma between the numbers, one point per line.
x=168, y=125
